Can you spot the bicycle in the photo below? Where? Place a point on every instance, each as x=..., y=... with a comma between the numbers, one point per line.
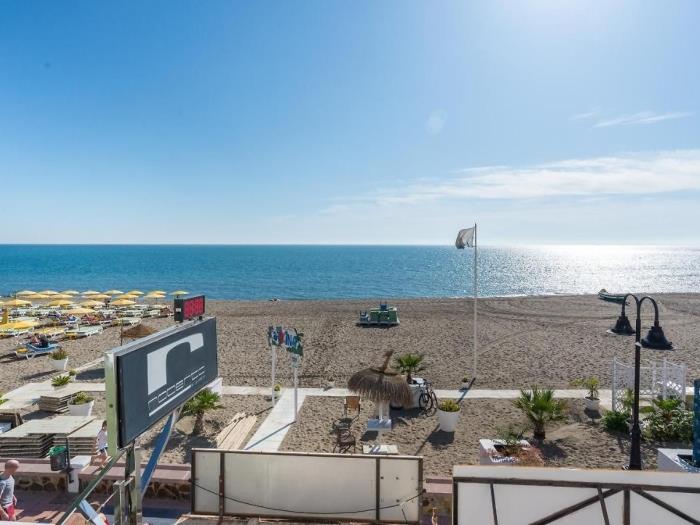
x=427, y=401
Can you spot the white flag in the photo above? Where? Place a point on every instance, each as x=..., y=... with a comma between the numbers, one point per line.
x=465, y=238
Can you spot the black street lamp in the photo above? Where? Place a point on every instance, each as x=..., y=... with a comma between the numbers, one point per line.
x=654, y=340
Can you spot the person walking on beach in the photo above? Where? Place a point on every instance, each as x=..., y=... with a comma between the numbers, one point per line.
x=8, y=501
x=102, y=444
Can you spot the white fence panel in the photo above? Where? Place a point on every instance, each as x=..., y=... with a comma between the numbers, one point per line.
x=307, y=486
x=517, y=495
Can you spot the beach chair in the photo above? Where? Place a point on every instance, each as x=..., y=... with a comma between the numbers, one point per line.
x=350, y=404
x=31, y=350
x=344, y=439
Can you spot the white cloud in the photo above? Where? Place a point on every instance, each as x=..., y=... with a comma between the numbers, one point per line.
x=436, y=122
x=634, y=173
x=643, y=117
x=585, y=115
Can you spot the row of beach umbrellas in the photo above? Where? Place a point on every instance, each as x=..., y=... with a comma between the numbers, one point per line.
x=92, y=298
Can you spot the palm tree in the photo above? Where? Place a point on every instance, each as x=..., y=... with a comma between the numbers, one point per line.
x=409, y=364
x=540, y=407
x=199, y=405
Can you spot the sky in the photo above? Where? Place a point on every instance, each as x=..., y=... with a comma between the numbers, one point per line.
x=359, y=122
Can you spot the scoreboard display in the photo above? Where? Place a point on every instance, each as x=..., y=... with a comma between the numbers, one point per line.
x=189, y=308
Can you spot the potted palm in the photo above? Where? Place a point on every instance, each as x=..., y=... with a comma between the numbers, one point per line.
x=448, y=415
x=198, y=406
x=465, y=383
x=540, y=408
x=81, y=405
x=59, y=359
x=61, y=380
x=409, y=364
x=591, y=384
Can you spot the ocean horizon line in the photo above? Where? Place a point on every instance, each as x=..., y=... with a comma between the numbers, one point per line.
x=359, y=245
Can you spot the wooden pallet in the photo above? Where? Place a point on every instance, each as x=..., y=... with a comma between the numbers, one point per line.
x=234, y=434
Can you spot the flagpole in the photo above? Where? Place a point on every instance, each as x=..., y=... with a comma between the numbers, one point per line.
x=475, y=294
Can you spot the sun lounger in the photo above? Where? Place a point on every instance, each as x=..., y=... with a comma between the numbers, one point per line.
x=14, y=332
x=129, y=321
x=31, y=350
x=83, y=331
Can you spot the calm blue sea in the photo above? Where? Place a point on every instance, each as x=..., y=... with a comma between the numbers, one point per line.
x=326, y=272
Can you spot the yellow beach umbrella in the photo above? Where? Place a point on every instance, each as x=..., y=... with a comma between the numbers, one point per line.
x=123, y=302
x=125, y=296
x=70, y=292
x=37, y=296
x=157, y=292
x=134, y=292
x=18, y=302
x=24, y=292
x=113, y=292
x=49, y=292
x=154, y=295
x=60, y=302
x=179, y=292
x=90, y=292
x=100, y=297
x=78, y=311
x=19, y=324
x=61, y=296
x=91, y=303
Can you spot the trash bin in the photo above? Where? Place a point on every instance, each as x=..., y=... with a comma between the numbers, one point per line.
x=59, y=458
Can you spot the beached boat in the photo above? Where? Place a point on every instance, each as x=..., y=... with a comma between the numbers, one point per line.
x=385, y=315
x=611, y=297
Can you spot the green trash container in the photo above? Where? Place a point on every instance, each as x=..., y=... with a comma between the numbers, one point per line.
x=59, y=458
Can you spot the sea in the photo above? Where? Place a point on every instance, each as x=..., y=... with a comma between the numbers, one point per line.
x=259, y=272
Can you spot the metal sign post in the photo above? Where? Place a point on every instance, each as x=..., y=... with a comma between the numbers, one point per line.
x=696, y=424
x=296, y=363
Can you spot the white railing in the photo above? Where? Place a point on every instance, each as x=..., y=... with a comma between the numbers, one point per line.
x=302, y=486
x=656, y=379
x=537, y=496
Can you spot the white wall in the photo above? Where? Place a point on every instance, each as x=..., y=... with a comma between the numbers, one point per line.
x=518, y=504
x=321, y=486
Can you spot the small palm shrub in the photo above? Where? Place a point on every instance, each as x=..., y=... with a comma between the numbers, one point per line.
x=669, y=421
x=539, y=407
x=409, y=364
x=198, y=406
x=81, y=398
x=59, y=354
x=2, y=400
x=61, y=380
x=616, y=421
x=448, y=405
x=589, y=383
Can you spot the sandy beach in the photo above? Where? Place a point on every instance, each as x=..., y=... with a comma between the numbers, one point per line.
x=548, y=341
x=575, y=442
x=524, y=341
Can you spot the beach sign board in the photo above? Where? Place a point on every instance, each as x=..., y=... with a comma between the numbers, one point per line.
x=188, y=308
x=149, y=378
x=287, y=338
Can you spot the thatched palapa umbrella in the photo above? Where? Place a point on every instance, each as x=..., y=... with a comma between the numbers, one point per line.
x=136, y=332
x=382, y=384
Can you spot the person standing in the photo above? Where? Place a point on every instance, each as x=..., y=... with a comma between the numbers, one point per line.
x=8, y=501
x=101, y=444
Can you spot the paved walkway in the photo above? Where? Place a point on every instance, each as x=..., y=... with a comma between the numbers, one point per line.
x=270, y=434
x=272, y=431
